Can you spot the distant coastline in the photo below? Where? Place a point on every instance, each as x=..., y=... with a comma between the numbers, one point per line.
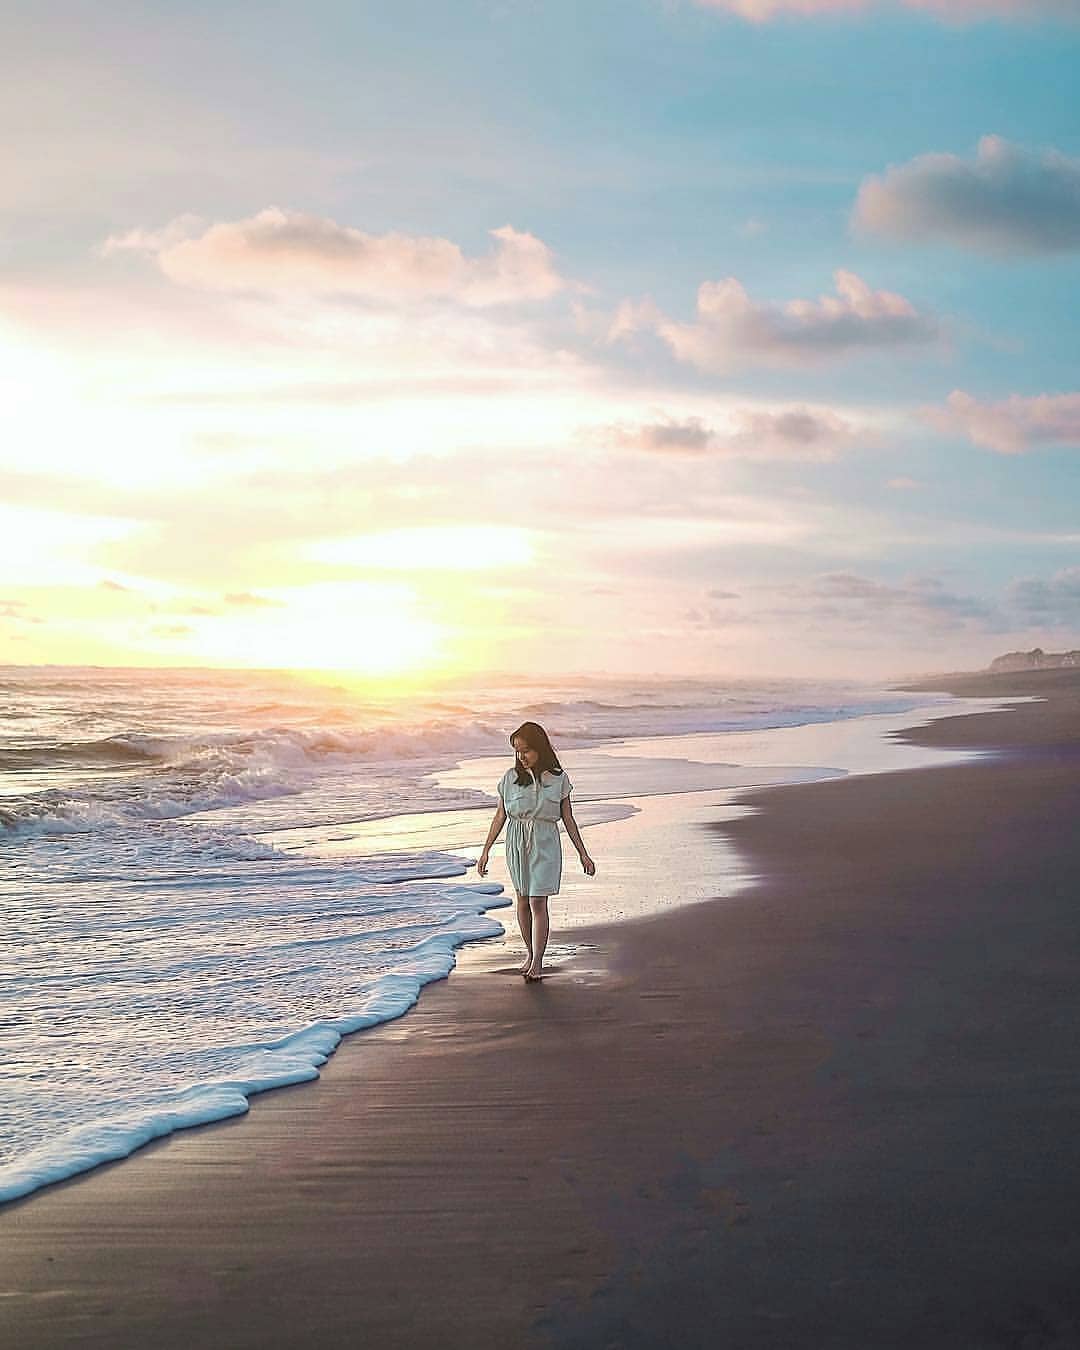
x=1036, y=659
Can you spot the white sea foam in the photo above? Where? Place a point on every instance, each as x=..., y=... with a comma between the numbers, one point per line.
x=145, y=999
x=295, y=1058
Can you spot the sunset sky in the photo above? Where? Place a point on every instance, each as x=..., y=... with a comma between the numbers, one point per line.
x=600, y=336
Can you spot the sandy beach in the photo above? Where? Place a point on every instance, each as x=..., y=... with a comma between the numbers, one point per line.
x=835, y=1109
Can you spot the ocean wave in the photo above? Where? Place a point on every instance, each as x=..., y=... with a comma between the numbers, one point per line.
x=294, y=1058
x=112, y=750
x=63, y=813
x=192, y=774
x=163, y=777
x=290, y=745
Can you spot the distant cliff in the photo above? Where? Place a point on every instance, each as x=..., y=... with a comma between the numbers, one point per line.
x=1036, y=659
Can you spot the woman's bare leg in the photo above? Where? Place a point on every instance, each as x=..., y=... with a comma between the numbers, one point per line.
x=524, y=918
x=540, y=928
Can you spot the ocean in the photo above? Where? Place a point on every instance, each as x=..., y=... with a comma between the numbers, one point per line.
x=209, y=877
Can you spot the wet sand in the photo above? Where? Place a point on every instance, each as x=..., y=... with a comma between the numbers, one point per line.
x=837, y=1109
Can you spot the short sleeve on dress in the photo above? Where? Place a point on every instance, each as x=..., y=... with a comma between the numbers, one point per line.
x=504, y=782
x=565, y=786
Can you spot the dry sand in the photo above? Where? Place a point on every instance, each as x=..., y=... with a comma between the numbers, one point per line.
x=840, y=1109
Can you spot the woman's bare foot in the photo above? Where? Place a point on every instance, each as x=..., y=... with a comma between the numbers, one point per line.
x=526, y=965
x=533, y=972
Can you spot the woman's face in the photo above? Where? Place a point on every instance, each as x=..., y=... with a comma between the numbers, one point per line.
x=527, y=757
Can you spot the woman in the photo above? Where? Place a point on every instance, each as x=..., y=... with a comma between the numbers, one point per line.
x=534, y=794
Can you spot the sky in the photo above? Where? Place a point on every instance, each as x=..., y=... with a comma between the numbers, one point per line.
x=651, y=337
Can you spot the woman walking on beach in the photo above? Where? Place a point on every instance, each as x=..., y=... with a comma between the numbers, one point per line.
x=534, y=795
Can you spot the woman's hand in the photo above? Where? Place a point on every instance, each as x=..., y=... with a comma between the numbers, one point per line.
x=587, y=865
x=482, y=864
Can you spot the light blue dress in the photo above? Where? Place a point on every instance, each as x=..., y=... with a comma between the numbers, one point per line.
x=533, y=845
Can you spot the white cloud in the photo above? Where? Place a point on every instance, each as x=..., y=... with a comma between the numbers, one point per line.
x=155, y=242
x=278, y=250
x=1013, y=425
x=1007, y=200
x=731, y=329
x=632, y=316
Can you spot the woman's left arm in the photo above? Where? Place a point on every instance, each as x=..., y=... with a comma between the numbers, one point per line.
x=567, y=812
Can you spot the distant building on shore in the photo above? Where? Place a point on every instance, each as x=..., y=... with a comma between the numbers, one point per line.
x=1036, y=659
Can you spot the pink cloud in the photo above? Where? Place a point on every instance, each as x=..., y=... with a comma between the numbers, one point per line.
x=1013, y=425
x=632, y=316
x=760, y=11
x=949, y=11
x=667, y=436
x=793, y=433
x=731, y=328
x=289, y=250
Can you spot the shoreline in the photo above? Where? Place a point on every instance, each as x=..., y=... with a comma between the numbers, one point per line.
x=674, y=782
x=710, y=1122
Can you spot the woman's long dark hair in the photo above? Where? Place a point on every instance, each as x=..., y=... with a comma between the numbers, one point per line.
x=536, y=738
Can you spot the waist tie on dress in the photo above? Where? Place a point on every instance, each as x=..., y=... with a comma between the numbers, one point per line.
x=522, y=843
x=526, y=825
x=529, y=824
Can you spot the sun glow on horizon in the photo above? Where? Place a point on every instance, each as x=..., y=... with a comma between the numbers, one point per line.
x=367, y=627
x=444, y=548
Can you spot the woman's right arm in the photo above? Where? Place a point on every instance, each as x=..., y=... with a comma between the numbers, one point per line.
x=497, y=823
